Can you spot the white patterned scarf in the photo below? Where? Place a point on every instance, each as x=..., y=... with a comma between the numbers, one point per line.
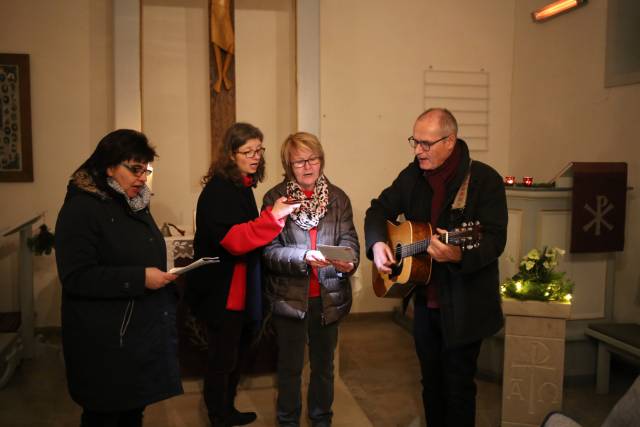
x=139, y=202
x=313, y=209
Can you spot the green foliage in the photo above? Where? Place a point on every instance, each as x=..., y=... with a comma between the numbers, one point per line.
x=537, y=280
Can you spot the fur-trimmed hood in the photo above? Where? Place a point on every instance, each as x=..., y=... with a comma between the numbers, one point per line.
x=82, y=180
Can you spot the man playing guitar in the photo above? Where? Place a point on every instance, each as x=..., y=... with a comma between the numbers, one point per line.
x=460, y=305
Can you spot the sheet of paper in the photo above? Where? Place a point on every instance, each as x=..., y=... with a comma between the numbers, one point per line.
x=340, y=253
x=195, y=264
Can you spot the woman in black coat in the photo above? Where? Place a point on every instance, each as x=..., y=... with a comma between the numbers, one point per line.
x=118, y=305
x=226, y=296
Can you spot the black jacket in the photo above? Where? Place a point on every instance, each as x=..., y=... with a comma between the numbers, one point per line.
x=469, y=291
x=119, y=338
x=287, y=273
x=221, y=205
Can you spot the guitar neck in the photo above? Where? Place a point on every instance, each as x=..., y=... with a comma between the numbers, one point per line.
x=420, y=246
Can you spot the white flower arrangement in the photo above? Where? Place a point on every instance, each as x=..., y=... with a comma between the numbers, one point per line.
x=537, y=280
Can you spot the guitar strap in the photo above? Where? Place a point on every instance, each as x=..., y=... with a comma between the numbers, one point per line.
x=460, y=200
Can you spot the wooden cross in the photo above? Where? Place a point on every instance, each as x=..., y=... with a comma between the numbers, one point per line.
x=221, y=69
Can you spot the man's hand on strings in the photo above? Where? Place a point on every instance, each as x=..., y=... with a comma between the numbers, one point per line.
x=383, y=257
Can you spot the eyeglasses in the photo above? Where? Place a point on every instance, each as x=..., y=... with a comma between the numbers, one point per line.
x=426, y=145
x=137, y=170
x=252, y=153
x=311, y=160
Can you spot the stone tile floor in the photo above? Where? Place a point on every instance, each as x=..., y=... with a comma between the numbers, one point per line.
x=379, y=386
x=380, y=368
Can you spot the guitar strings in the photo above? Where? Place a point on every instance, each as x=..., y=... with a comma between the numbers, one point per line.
x=415, y=248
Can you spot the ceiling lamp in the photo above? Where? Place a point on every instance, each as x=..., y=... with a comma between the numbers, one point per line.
x=555, y=8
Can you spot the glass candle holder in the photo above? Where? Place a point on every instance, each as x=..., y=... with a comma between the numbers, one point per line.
x=527, y=181
x=509, y=180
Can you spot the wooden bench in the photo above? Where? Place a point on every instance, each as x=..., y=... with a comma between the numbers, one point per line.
x=618, y=338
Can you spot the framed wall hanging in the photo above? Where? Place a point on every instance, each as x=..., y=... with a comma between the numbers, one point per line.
x=16, y=160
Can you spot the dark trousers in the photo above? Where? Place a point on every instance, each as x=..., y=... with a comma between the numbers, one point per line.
x=448, y=386
x=130, y=418
x=228, y=353
x=293, y=335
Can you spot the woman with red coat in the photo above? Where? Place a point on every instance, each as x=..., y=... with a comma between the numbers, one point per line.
x=227, y=295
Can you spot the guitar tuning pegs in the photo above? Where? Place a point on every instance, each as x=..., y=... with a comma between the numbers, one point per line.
x=477, y=222
x=464, y=224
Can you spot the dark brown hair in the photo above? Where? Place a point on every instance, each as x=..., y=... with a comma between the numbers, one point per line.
x=113, y=149
x=223, y=164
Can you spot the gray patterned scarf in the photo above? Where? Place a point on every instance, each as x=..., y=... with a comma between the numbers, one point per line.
x=136, y=204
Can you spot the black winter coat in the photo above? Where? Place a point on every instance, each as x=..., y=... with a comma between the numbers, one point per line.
x=221, y=205
x=119, y=338
x=287, y=273
x=469, y=291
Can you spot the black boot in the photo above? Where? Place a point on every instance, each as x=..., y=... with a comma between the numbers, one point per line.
x=237, y=418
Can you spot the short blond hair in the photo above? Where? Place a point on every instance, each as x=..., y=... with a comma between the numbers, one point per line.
x=300, y=140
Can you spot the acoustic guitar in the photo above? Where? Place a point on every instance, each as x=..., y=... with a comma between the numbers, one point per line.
x=409, y=241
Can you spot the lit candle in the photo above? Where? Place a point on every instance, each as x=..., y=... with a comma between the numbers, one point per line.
x=527, y=181
x=509, y=180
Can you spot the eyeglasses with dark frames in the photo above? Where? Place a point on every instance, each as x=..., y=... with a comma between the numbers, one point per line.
x=311, y=160
x=137, y=170
x=252, y=153
x=426, y=145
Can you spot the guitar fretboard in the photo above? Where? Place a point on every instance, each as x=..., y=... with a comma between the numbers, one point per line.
x=415, y=248
x=419, y=247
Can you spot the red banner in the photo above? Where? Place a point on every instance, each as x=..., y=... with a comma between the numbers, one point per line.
x=598, y=207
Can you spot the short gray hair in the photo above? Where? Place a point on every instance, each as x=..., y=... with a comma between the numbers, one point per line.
x=446, y=120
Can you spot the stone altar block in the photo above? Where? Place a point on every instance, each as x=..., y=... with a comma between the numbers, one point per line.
x=541, y=217
x=533, y=360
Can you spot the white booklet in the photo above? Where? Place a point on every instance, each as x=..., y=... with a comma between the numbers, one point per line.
x=194, y=264
x=339, y=253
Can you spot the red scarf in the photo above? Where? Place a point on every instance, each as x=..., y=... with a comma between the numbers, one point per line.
x=438, y=180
